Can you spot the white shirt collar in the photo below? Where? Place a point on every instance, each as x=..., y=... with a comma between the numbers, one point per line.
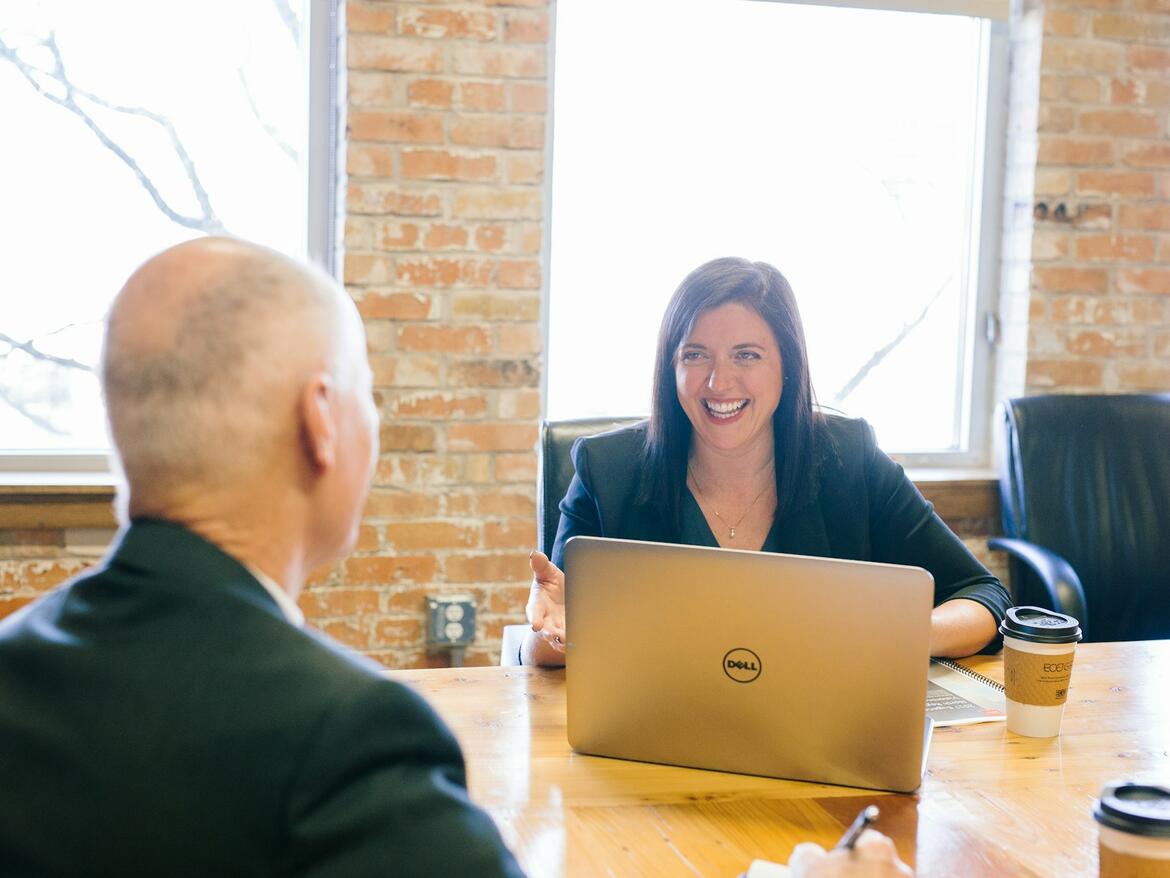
x=287, y=605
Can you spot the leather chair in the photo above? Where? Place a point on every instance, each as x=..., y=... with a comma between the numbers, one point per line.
x=556, y=468
x=1085, y=487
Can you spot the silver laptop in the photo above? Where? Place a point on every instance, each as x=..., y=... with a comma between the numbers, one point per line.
x=778, y=665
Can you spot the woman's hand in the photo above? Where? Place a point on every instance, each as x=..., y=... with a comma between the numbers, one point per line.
x=874, y=856
x=546, y=611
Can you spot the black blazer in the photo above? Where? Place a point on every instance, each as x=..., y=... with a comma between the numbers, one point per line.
x=160, y=716
x=863, y=508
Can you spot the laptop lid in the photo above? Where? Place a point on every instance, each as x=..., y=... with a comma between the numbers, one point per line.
x=778, y=665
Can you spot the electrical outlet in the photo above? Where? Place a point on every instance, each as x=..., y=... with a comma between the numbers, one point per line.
x=452, y=619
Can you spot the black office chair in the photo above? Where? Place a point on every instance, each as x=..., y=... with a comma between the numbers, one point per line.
x=556, y=468
x=1085, y=485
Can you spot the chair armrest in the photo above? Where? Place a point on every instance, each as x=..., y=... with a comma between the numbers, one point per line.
x=1055, y=574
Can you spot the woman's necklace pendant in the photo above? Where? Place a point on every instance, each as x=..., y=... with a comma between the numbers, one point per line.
x=731, y=533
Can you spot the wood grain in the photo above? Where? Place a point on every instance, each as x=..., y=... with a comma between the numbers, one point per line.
x=992, y=804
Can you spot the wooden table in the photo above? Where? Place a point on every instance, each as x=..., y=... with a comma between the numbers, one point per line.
x=993, y=803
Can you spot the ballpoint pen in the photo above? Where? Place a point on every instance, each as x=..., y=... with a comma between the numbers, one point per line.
x=867, y=816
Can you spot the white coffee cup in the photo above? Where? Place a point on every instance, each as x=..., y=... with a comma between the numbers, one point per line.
x=1134, y=830
x=1039, y=646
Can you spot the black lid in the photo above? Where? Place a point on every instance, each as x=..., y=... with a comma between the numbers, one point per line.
x=1141, y=809
x=1040, y=625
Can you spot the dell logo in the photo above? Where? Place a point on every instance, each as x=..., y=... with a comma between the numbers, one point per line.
x=742, y=665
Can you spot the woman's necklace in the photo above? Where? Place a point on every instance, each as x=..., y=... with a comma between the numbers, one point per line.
x=730, y=527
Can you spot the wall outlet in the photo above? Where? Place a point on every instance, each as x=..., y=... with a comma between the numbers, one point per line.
x=452, y=619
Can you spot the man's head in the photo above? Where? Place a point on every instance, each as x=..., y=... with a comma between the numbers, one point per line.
x=231, y=372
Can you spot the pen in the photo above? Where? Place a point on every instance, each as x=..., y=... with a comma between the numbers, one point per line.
x=867, y=816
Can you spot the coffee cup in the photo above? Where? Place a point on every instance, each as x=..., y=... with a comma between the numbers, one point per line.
x=1134, y=830
x=1038, y=650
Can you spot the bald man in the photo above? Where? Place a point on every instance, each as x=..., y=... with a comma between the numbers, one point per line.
x=166, y=714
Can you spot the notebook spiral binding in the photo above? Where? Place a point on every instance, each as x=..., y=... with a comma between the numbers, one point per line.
x=975, y=675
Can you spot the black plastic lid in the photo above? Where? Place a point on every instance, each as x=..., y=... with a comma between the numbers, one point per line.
x=1140, y=809
x=1040, y=625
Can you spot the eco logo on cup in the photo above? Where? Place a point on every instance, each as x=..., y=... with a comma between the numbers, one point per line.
x=1038, y=650
x=1135, y=830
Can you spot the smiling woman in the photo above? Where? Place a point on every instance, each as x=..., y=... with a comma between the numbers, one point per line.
x=737, y=454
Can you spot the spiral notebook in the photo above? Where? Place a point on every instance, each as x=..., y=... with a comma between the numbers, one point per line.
x=957, y=696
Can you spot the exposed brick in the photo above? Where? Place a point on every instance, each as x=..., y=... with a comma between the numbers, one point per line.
x=498, y=204
x=1144, y=377
x=9, y=605
x=493, y=373
x=431, y=535
x=323, y=603
x=435, y=94
x=394, y=632
x=368, y=18
x=397, y=235
x=1150, y=59
x=351, y=633
x=528, y=97
x=444, y=237
x=482, y=96
x=395, y=126
x=526, y=27
x=518, y=405
x=444, y=272
x=1049, y=245
x=518, y=274
x=496, y=306
x=509, y=61
x=489, y=237
x=368, y=539
x=516, y=467
x=512, y=132
x=433, y=23
x=482, y=436
x=1145, y=216
x=1105, y=311
x=526, y=168
x=1062, y=279
x=530, y=238
x=375, y=198
x=1162, y=345
x=440, y=405
x=395, y=306
x=366, y=268
x=1144, y=280
x=442, y=164
x=1055, y=119
x=1115, y=248
x=518, y=338
x=369, y=160
x=508, y=502
x=1115, y=183
x=513, y=533
x=1154, y=155
x=407, y=437
x=420, y=469
x=370, y=89
x=1107, y=343
x=1093, y=216
x=1079, y=56
x=364, y=52
x=1074, y=151
x=1132, y=123
x=461, y=339
x=1064, y=373
x=1138, y=28
x=488, y=568
x=1082, y=90
x=380, y=570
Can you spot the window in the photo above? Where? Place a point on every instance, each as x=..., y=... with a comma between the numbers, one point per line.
x=130, y=127
x=855, y=149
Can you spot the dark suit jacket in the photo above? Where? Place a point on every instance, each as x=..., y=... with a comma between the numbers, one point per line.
x=160, y=716
x=864, y=508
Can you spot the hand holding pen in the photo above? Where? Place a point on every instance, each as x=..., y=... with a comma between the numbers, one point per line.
x=861, y=853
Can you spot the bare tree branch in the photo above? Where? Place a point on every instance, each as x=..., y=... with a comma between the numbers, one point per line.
x=207, y=222
x=268, y=127
x=884, y=351
x=290, y=19
x=29, y=348
x=20, y=408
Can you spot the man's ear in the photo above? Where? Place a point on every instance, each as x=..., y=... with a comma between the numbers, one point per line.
x=315, y=410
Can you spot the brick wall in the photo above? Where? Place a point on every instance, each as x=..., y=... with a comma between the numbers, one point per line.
x=446, y=160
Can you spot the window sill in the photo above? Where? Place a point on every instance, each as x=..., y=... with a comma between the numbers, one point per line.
x=66, y=500
x=967, y=500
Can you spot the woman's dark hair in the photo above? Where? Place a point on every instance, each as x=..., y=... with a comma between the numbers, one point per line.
x=762, y=288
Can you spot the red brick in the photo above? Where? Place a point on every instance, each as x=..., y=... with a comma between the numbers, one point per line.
x=368, y=539
x=1139, y=28
x=460, y=339
x=394, y=306
x=431, y=535
x=491, y=436
x=519, y=274
x=396, y=632
x=418, y=469
x=1145, y=377
x=367, y=18
x=444, y=272
x=512, y=533
x=446, y=24
x=495, y=306
x=389, y=199
x=1055, y=119
x=368, y=160
x=526, y=27
x=1079, y=56
x=530, y=238
x=1116, y=183
x=397, y=236
x=322, y=603
x=482, y=96
x=1083, y=90
x=1162, y=345
x=1144, y=280
x=366, y=268
x=1145, y=216
x=498, y=204
x=508, y=502
x=1149, y=58
x=515, y=467
x=518, y=338
x=441, y=164
x=1051, y=87
x=526, y=168
x=1061, y=279
x=395, y=126
x=518, y=405
x=511, y=132
x=510, y=61
x=1129, y=248
x=439, y=237
x=1154, y=155
x=489, y=237
x=509, y=601
x=528, y=97
x=379, y=570
x=1108, y=343
x=532, y=3
x=493, y=373
x=9, y=605
x=435, y=94
x=1093, y=216
x=488, y=568
x=402, y=437
x=440, y=405
x=1064, y=373
x=1073, y=151
x=1133, y=123
x=373, y=89
x=365, y=52
x=1106, y=311
x=401, y=504
x=350, y=633
x=1049, y=245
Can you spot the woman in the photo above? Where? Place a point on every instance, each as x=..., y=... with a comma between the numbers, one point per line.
x=736, y=454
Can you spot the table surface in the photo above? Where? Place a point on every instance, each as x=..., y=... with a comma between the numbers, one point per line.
x=992, y=803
